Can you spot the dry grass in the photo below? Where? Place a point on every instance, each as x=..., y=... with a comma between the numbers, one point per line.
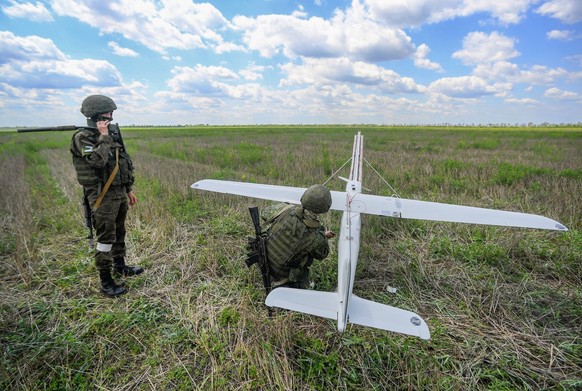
x=503, y=305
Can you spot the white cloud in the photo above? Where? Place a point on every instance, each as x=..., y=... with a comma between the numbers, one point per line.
x=16, y=48
x=465, y=87
x=202, y=80
x=33, y=12
x=562, y=95
x=407, y=13
x=507, y=12
x=411, y=13
x=568, y=11
x=330, y=71
x=200, y=19
x=123, y=52
x=421, y=60
x=270, y=34
x=60, y=74
x=508, y=72
x=479, y=48
x=253, y=72
x=35, y=62
x=156, y=25
x=347, y=34
x=561, y=35
x=368, y=40
x=522, y=101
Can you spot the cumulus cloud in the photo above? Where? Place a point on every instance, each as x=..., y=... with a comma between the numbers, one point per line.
x=35, y=12
x=60, y=74
x=509, y=72
x=322, y=72
x=16, y=48
x=347, y=34
x=560, y=35
x=465, y=87
x=35, y=62
x=562, y=95
x=123, y=52
x=253, y=72
x=568, y=11
x=421, y=60
x=411, y=13
x=479, y=47
x=201, y=80
x=522, y=101
x=404, y=13
x=156, y=25
x=507, y=12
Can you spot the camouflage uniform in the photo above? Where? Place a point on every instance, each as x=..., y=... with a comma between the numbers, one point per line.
x=94, y=160
x=95, y=157
x=295, y=237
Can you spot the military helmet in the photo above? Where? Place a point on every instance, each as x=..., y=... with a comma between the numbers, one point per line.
x=97, y=104
x=316, y=199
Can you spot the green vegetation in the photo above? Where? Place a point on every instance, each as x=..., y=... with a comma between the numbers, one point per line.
x=503, y=305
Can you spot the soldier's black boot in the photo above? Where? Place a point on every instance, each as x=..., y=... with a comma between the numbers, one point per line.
x=108, y=286
x=120, y=267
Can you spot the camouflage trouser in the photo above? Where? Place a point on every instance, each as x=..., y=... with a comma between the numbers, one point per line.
x=296, y=277
x=109, y=224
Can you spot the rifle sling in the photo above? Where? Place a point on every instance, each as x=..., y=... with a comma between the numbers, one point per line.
x=109, y=180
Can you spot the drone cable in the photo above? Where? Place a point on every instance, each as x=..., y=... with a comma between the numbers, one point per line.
x=381, y=177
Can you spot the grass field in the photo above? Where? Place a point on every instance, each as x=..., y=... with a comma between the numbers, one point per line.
x=504, y=305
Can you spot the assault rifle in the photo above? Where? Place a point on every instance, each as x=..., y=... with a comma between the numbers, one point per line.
x=113, y=130
x=258, y=250
x=55, y=128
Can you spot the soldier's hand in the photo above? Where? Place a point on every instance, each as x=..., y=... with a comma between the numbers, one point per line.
x=103, y=126
x=329, y=234
x=132, y=198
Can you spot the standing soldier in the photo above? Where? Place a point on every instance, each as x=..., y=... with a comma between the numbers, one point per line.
x=105, y=171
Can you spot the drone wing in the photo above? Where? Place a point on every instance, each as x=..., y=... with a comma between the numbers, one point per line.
x=387, y=206
x=423, y=210
x=288, y=194
x=256, y=190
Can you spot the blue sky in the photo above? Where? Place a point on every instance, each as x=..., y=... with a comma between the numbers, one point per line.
x=168, y=62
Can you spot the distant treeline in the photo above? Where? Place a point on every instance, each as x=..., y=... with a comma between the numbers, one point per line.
x=444, y=124
x=577, y=125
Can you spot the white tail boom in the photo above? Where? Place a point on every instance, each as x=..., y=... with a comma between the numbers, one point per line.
x=342, y=305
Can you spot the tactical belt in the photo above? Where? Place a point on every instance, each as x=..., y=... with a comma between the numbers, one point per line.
x=108, y=183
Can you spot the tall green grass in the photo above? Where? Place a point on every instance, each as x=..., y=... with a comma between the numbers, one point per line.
x=503, y=305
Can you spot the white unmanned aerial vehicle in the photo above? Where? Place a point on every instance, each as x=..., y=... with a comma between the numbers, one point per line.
x=343, y=305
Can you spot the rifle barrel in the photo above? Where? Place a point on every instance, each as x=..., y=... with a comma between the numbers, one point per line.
x=54, y=128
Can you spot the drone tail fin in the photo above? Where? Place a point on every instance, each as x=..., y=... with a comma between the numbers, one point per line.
x=324, y=304
x=372, y=314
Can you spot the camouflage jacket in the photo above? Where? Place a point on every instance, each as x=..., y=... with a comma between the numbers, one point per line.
x=94, y=158
x=293, y=240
